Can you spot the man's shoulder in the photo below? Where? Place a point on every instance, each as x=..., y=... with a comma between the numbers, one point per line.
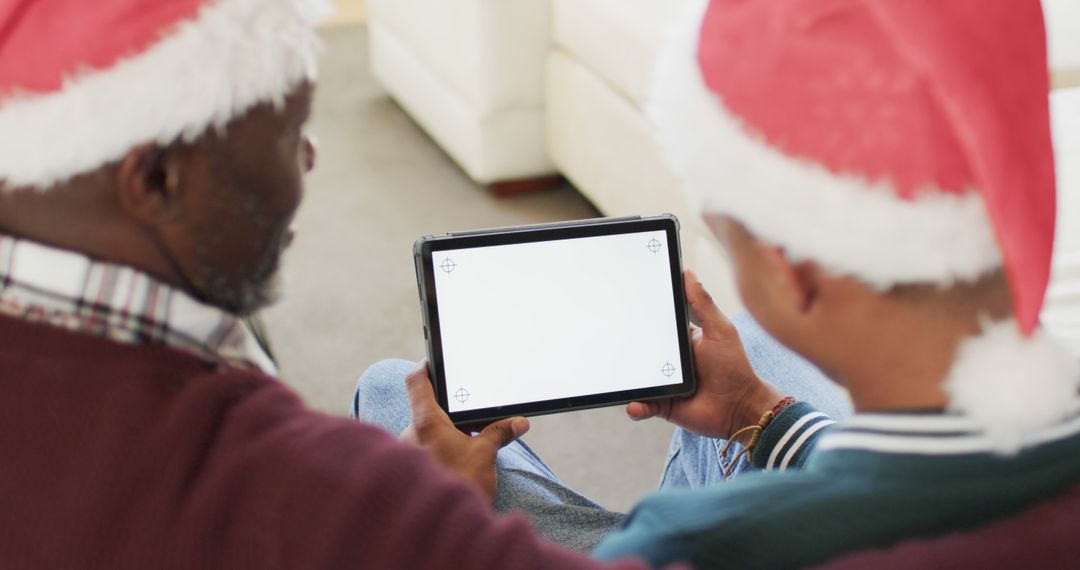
x=176, y=443
x=29, y=343
x=162, y=398
x=673, y=525
x=41, y=353
x=860, y=500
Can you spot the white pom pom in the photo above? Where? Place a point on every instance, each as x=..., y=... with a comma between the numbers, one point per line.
x=1012, y=385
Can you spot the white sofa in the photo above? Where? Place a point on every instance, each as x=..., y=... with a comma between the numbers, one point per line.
x=1062, y=311
x=519, y=89
x=598, y=77
x=470, y=72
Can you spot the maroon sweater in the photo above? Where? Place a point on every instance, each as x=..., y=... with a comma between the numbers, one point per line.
x=117, y=456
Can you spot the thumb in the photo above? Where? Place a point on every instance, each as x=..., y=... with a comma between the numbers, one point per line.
x=642, y=410
x=712, y=319
x=504, y=432
x=422, y=403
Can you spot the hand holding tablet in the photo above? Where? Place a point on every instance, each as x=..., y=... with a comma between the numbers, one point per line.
x=470, y=458
x=542, y=319
x=729, y=394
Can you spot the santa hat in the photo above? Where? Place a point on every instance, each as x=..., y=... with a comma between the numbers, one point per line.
x=896, y=142
x=83, y=82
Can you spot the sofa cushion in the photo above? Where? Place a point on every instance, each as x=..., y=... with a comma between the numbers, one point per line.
x=617, y=39
x=489, y=146
x=487, y=53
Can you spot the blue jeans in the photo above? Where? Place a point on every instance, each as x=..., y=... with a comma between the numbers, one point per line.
x=527, y=485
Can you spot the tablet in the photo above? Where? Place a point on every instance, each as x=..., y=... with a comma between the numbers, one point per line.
x=550, y=318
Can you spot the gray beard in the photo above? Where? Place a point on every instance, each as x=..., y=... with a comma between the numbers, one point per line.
x=264, y=288
x=247, y=298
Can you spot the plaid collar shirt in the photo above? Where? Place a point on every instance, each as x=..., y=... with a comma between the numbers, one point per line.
x=71, y=291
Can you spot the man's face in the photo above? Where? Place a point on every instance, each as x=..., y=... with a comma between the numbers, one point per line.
x=249, y=186
x=761, y=285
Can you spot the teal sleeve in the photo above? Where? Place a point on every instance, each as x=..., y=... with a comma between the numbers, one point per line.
x=788, y=439
x=665, y=527
x=649, y=535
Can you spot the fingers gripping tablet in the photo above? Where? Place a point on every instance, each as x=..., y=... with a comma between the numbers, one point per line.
x=541, y=319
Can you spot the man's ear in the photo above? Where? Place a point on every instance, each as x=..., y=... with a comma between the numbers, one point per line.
x=148, y=184
x=801, y=281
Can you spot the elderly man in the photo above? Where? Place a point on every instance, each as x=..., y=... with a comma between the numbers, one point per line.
x=151, y=159
x=881, y=175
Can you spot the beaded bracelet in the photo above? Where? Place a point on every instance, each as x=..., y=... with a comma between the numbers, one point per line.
x=783, y=405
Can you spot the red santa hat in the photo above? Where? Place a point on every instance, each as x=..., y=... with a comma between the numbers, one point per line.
x=81, y=83
x=896, y=142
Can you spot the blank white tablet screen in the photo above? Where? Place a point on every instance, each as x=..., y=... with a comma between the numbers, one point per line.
x=541, y=321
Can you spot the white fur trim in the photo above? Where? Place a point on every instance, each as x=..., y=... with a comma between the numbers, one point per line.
x=844, y=222
x=1012, y=385
x=207, y=70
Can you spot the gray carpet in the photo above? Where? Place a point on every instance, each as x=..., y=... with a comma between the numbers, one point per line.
x=380, y=182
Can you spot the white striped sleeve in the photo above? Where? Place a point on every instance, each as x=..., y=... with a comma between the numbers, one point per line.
x=787, y=440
